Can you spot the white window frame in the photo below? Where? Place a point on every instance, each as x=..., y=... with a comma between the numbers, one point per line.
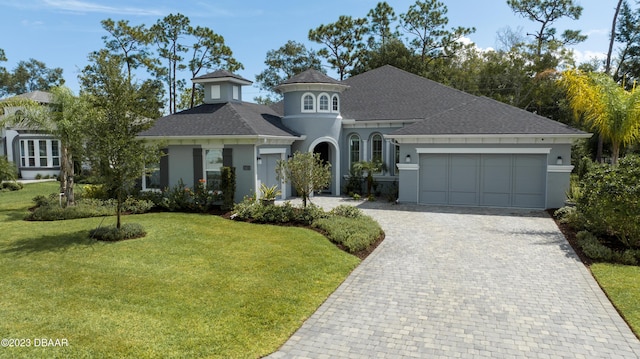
x=335, y=100
x=42, y=151
x=313, y=102
x=320, y=97
x=215, y=92
x=236, y=92
x=205, y=169
x=151, y=171
x=349, y=145
x=372, y=140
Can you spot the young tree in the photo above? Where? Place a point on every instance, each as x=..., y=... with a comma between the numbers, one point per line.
x=380, y=21
x=604, y=106
x=370, y=167
x=113, y=150
x=131, y=42
x=426, y=21
x=289, y=60
x=343, y=41
x=307, y=172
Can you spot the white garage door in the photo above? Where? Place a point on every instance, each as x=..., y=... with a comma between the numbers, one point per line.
x=498, y=180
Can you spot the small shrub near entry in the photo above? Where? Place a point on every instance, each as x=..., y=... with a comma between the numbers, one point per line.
x=10, y=186
x=355, y=234
x=113, y=234
x=344, y=210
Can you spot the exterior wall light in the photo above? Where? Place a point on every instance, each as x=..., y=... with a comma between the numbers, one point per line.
x=407, y=159
x=559, y=160
x=259, y=160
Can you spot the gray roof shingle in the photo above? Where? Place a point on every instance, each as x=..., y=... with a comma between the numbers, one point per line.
x=220, y=74
x=388, y=93
x=223, y=119
x=311, y=76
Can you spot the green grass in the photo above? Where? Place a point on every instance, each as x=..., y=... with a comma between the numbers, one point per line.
x=195, y=286
x=622, y=285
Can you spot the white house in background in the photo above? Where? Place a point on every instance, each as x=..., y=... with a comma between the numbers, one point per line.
x=33, y=151
x=442, y=146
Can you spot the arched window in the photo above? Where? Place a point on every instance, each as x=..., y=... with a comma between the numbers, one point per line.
x=376, y=147
x=308, y=103
x=323, y=103
x=335, y=104
x=354, y=149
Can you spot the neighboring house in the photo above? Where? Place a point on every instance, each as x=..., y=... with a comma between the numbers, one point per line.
x=441, y=146
x=33, y=151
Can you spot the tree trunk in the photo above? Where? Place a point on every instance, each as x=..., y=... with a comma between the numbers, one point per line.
x=118, y=210
x=607, y=67
x=69, y=170
x=615, y=153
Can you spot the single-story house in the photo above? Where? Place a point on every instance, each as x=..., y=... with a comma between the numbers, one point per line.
x=33, y=151
x=442, y=146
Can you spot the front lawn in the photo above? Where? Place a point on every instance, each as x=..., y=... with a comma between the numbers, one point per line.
x=622, y=285
x=195, y=286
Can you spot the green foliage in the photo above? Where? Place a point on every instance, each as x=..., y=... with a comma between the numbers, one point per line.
x=228, y=186
x=594, y=249
x=354, y=182
x=181, y=198
x=114, y=234
x=569, y=215
x=355, y=234
x=370, y=167
x=255, y=211
x=10, y=186
x=610, y=203
x=8, y=170
x=307, y=172
x=94, y=191
x=346, y=211
x=269, y=193
x=49, y=208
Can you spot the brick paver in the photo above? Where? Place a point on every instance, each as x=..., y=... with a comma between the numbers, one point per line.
x=465, y=283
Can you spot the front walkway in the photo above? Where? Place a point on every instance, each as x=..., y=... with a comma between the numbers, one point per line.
x=464, y=283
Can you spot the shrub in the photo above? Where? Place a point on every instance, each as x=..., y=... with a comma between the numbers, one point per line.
x=181, y=198
x=346, y=211
x=228, y=187
x=569, y=215
x=355, y=234
x=113, y=234
x=49, y=209
x=8, y=170
x=594, y=249
x=11, y=186
x=610, y=202
x=94, y=191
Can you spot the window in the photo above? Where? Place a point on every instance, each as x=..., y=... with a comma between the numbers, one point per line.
x=376, y=147
x=323, y=103
x=354, y=149
x=308, y=101
x=215, y=92
x=39, y=153
x=335, y=104
x=236, y=92
x=151, y=178
x=212, y=167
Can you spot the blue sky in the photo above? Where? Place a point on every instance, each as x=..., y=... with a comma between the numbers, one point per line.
x=62, y=33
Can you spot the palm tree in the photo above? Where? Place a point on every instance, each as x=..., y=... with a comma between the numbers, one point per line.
x=605, y=107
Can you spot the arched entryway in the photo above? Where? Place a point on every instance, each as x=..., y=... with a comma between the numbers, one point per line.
x=328, y=149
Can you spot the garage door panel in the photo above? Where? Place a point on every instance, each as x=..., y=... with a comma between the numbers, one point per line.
x=463, y=189
x=529, y=181
x=435, y=181
x=496, y=180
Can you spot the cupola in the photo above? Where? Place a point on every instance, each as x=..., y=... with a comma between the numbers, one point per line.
x=221, y=86
x=311, y=92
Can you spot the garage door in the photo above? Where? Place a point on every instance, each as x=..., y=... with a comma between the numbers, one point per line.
x=498, y=180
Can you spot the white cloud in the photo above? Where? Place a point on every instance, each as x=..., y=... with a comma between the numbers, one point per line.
x=587, y=55
x=87, y=7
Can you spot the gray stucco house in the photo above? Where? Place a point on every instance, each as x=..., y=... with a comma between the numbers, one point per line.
x=33, y=151
x=441, y=146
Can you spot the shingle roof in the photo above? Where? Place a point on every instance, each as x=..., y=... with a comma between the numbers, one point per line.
x=388, y=93
x=221, y=74
x=311, y=76
x=37, y=96
x=223, y=119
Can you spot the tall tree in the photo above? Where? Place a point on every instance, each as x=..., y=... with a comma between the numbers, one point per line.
x=426, y=21
x=32, y=75
x=209, y=51
x=381, y=19
x=113, y=150
x=612, y=36
x=287, y=61
x=628, y=36
x=546, y=13
x=169, y=33
x=604, y=106
x=343, y=43
x=131, y=42
x=4, y=75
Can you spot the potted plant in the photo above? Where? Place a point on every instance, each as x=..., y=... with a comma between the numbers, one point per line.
x=269, y=194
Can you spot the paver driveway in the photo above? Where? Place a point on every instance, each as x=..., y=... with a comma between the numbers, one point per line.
x=465, y=283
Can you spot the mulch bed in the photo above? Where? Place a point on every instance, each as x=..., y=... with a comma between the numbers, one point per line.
x=570, y=235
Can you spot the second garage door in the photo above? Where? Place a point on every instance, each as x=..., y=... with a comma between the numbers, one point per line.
x=497, y=180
